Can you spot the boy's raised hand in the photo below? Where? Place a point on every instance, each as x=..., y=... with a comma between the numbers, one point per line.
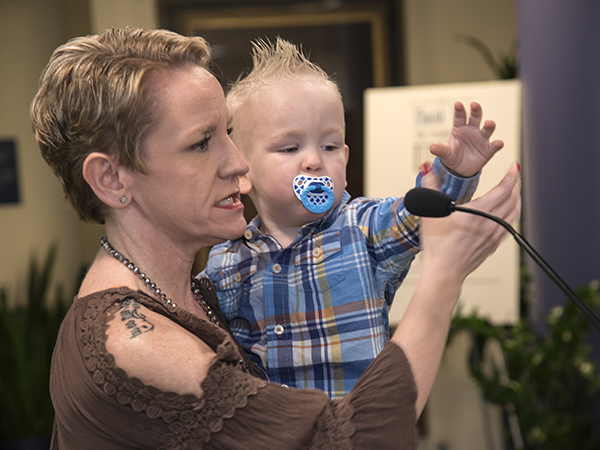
x=468, y=148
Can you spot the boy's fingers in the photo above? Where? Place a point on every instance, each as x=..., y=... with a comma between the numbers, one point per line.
x=489, y=126
x=476, y=115
x=497, y=145
x=439, y=150
x=460, y=115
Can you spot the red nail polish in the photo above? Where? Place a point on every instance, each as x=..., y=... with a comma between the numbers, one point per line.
x=519, y=166
x=425, y=168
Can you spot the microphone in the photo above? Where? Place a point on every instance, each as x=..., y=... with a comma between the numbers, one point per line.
x=426, y=202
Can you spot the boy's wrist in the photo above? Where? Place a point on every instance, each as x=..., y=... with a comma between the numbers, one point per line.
x=453, y=172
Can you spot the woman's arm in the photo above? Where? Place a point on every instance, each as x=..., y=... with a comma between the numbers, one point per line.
x=159, y=352
x=452, y=248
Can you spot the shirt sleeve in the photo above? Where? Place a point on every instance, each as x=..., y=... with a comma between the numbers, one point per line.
x=460, y=189
x=224, y=269
x=393, y=233
x=379, y=412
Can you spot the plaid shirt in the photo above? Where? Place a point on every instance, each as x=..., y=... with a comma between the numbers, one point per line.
x=315, y=314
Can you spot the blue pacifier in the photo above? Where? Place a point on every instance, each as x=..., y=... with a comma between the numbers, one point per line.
x=315, y=193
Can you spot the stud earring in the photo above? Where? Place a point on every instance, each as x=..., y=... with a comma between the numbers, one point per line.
x=123, y=199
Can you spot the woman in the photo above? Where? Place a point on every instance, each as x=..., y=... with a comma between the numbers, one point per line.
x=136, y=128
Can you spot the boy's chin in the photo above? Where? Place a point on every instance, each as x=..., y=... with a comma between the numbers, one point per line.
x=308, y=216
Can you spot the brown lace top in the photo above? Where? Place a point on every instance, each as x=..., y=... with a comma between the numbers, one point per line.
x=99, y=407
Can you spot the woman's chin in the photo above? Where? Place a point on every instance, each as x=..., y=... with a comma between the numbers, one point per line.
x=232, y=231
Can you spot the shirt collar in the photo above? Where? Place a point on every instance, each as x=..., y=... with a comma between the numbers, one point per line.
x=253, y=232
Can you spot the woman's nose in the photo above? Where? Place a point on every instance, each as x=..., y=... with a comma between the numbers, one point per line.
x=235, y=163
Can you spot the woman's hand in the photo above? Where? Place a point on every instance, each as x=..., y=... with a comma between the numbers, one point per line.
x=459, y=243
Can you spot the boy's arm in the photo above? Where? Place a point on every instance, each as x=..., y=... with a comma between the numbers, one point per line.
x=393, y=231
x=456, y=169
x=394, y=250
x=468, y=148
x=460, y=189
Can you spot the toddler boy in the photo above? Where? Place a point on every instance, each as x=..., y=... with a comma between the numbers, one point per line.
x=307, y=289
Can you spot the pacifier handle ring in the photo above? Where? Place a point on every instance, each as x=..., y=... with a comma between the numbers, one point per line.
x=317, y=208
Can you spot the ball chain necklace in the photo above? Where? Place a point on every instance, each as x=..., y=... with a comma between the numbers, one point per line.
x=148, y=282
x=152, y=286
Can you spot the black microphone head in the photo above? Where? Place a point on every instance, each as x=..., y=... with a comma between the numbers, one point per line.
x=428, y=203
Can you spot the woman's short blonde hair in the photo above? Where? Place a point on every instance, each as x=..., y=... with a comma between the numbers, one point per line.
x=93, y=96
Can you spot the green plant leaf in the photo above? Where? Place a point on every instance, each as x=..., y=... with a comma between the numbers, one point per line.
x=28, y=331
x=553, y=384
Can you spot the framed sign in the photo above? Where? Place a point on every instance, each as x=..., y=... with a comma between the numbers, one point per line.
x=401, y=124
x=9, y=181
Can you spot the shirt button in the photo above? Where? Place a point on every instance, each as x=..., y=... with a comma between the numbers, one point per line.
x=276, y=268
x=237, y=277
x=279, y=330
x=317, y=252
x=285, y=386
x=248, y=234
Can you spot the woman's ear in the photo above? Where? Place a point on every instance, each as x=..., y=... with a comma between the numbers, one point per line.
x=107, y=179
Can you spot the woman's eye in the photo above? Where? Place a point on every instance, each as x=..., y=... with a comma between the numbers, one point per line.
x=201, y=145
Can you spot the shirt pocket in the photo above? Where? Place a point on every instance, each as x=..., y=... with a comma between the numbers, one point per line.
x=321, y=264
x=231, y=283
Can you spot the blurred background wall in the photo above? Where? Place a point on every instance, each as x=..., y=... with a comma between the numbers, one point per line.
x=31, y=29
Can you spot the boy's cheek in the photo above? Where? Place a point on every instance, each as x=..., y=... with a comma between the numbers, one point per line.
x=245, y=184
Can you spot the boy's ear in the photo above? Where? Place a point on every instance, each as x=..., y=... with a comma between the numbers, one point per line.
x=107, y=179
x=245, y=184
x=347, y=151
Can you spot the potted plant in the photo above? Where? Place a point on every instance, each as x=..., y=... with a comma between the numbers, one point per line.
x=28, y=331
x=548, y=386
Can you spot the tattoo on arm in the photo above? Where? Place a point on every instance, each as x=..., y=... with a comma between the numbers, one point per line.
x=133, y=319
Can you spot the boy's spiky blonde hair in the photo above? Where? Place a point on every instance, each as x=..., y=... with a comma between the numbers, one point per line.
x=271, y=63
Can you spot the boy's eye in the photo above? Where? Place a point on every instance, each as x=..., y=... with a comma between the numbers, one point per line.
x=328, y=148
x=201, y=145
x=290, y=150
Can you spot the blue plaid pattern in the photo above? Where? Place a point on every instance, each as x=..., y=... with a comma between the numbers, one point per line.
x=315, y=314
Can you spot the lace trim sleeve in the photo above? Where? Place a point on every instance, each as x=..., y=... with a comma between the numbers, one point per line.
x=335, y=427
x=227, y=389
x=191, y=420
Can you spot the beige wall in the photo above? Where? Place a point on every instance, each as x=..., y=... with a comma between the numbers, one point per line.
x=29, y=31
x=433, y=54
x=121, y=13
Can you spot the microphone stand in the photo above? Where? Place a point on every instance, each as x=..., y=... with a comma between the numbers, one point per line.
x=538, y=259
